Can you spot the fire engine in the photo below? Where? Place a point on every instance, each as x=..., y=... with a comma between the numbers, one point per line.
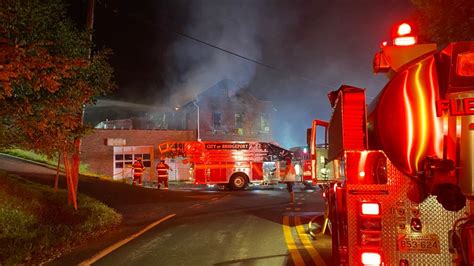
x=231, y=163
x=403, y=176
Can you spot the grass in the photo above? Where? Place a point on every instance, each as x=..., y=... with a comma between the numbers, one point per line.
x=36, y=224
x=32, y=156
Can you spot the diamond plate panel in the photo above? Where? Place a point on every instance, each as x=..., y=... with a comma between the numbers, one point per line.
x=435, y=220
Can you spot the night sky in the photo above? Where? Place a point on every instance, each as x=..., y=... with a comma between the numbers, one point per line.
x=303, y=50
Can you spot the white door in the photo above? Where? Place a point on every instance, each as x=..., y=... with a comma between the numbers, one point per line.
x=125, y=156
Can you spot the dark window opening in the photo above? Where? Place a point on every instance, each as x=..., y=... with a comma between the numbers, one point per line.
x=239, y=123
x=216, y=120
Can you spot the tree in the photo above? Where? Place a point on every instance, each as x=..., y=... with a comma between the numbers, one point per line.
x=445, y=21
x=46, y=77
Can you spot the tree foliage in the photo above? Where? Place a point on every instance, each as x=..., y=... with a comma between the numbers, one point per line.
x=46, y=76
x=444, y=21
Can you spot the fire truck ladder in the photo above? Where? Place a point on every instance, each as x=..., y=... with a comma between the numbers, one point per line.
x=172, y=149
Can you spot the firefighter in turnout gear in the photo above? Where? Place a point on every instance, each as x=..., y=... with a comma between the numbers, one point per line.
x=138, y=169
x=162, y=169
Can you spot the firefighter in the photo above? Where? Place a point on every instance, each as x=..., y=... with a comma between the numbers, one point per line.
x=289, y=178
x=162, y=169
x=138, y=169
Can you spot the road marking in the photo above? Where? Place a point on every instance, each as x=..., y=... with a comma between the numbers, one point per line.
x=290, y=243
x=315, y=256
x=115, y=246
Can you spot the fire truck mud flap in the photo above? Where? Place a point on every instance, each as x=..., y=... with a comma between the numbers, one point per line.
x=238, y=181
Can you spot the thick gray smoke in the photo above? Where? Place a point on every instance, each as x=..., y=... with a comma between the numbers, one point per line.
x=231, y=25
x=313, y=47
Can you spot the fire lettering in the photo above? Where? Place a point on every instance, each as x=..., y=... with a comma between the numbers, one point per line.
x=455, y=107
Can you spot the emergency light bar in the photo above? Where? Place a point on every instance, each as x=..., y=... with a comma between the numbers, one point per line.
x=404, y=36
x=404, y=41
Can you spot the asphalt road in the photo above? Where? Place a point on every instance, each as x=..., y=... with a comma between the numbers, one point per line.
x=258, y=226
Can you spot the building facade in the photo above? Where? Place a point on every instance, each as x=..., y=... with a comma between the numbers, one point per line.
x=222, y=113
x=112, y=152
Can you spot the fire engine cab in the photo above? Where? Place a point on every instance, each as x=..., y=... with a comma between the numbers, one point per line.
x=403, y=171
x=232, y=163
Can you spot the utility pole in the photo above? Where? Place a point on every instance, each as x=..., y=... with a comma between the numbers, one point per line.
x=90, y=18
x=77, y=141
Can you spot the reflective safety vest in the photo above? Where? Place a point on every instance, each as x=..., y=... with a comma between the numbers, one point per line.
x=138, y=169
x=162, y=170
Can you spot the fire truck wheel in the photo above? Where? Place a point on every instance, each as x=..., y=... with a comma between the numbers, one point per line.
x=238, y=182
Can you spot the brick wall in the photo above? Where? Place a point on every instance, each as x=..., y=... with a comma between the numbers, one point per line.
x=99, y=156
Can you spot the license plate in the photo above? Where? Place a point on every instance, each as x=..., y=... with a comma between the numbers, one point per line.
x=418, y=243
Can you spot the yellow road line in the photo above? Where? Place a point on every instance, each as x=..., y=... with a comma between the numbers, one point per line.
x=318, y=260
x=115, y=246
x=290, y=243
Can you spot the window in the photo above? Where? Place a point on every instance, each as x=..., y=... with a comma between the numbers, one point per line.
x=239, y=123
x=216, y=120
x=264, y=124
x=125, y=160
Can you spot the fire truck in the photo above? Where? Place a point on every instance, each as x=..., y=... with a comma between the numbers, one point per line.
x=403, y=176
x=234, y=164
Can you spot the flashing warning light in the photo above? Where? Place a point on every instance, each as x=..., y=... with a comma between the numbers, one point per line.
x=404, y=36
x=404, y=29
x=305, y=150
x=371, y=258
x=384, y=43
x=370, y=208
x=361, y=173
x=404, y=41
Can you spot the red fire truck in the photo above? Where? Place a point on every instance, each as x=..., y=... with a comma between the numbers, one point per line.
x=403, y=166
x=232, y=163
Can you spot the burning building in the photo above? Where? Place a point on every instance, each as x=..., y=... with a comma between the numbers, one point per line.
x=223, y=112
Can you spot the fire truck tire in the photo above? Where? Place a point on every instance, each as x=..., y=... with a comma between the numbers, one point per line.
x=238, y=182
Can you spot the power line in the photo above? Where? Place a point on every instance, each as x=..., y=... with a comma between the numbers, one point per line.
x=155, y=25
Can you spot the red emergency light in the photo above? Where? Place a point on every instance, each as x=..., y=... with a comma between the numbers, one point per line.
x=371, y=258
x=370, y=208
x=403, y=35
x=404, y=29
